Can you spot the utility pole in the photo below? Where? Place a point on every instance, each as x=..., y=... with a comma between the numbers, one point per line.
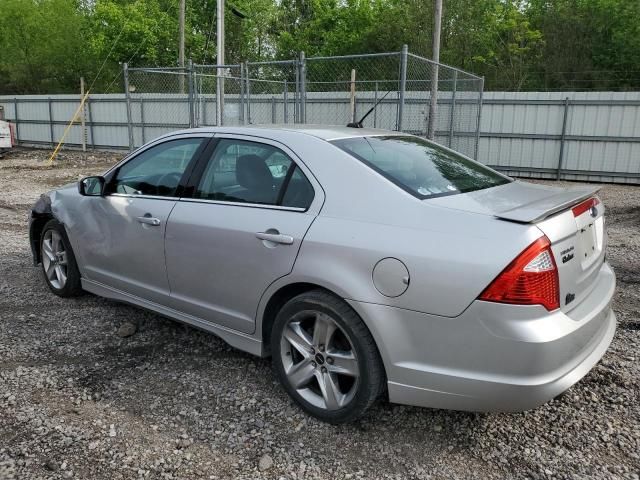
x=220, y=61
x=433, y=105
x=181, y=45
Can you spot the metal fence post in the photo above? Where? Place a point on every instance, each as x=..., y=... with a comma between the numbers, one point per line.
x=286, y=102
x=248, y=91
x=241, y=109
x=403, y=85
x=144, y=137
x=565, y=114
x=273, y=109
x=296, y=95
x=91, y=131
x=50, y=121
x=475, y=151
x=202, y=103
x=125, y=69
x=190, y=97
x=375, y=110
x=453, y=107
x=303, y=88
x=83, y=116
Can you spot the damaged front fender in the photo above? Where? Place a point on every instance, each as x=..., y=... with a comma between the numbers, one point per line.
x=50, y=205
x=40, y=214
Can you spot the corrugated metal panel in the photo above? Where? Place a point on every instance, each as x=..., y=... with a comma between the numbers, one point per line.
x=520, y=132
x=523, y=130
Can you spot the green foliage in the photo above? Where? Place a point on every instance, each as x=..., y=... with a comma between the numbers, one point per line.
x=589, y=44
x=43, y=44
x=47, y=45
x=505, y=42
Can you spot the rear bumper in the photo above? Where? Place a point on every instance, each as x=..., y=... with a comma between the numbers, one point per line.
x=493, y=357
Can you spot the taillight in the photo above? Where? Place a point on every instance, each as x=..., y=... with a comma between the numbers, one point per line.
x=584, y=206
x=530, y=279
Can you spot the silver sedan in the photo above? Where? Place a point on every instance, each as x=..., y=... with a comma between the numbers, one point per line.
x=367, y=263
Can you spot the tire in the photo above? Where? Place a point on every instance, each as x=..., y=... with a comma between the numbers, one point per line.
x=59, y=266
x=336, y=382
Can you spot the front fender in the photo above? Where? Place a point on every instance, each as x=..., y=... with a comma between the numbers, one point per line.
x=39, y=215
x=48, y=206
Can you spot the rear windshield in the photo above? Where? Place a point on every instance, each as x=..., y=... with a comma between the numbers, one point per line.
x=420, y=167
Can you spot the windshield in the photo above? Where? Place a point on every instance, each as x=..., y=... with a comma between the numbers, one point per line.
x=421, y=167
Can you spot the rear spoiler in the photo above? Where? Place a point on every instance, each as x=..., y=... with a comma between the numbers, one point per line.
x=545, y=207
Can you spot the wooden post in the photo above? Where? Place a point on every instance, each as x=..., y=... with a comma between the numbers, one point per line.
x=433, y=101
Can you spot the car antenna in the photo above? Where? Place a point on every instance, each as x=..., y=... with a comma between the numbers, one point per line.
x=358, y=124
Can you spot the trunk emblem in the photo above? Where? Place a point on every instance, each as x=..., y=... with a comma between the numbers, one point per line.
x=567, y=254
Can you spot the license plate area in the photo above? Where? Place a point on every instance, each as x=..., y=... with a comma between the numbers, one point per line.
x=589, y=241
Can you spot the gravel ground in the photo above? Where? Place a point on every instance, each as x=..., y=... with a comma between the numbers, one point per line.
x=80, y=397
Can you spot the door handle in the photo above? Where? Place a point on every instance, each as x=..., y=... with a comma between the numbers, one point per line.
x=275, y=237
x=149, y=220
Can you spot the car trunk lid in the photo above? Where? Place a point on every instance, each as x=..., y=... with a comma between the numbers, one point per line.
x=572, y=219
x=517, y=201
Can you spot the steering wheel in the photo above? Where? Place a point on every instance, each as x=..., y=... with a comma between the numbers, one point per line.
x=169, y=180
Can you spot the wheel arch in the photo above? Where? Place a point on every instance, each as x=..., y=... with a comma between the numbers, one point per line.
x=276, y=301
x=38, y=221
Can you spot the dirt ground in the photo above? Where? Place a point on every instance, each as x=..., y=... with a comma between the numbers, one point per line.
x=79, y=401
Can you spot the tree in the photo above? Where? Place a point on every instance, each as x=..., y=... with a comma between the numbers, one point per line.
x=47, y=45
x=40, y=54
x=492, y=38
x=588, y=43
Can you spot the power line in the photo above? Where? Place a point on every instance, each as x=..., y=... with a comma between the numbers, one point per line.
x=113, y=45
x=117, y=75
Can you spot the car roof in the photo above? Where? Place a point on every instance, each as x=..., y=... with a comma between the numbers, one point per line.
x=325, y=132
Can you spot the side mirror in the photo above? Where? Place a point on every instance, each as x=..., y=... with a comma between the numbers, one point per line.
x=91, y=186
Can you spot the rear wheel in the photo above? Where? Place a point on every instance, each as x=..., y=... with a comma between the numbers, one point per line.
x=325, y=357
x=58, y=262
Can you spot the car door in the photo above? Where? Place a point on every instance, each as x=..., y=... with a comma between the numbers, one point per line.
x=122, y=234
x=251, y=206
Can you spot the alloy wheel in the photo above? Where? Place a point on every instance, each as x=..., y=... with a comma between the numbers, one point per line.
x=319, y=360
x=54, y=259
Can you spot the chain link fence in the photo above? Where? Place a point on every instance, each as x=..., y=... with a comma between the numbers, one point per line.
x=413, y=94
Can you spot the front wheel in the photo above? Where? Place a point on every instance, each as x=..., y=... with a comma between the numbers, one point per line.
x=326, y=358
x=58, y=262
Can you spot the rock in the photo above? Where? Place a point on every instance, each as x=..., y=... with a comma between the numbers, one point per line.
x=265, y=463
x=126, y=330
x=183, y=443
x=51, y=465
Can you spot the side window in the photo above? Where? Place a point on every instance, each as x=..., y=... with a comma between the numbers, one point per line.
x=278, y=164
x=299, y=191
x=241, y=171
x=158, y=170
x=250, y=172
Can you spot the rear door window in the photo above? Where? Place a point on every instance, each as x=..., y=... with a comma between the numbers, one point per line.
x=420, y=167
x=242, y=171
